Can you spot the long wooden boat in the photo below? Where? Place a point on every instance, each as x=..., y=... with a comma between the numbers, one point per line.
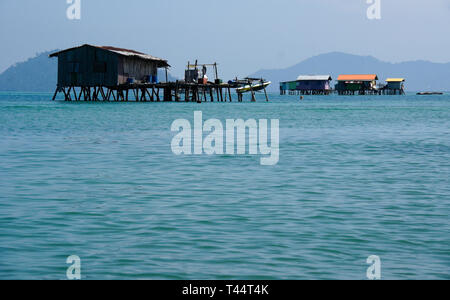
x=257, y=87
x=429, y=93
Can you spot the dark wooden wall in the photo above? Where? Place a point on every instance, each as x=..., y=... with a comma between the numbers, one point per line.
x=91, y=66
x=87, y=66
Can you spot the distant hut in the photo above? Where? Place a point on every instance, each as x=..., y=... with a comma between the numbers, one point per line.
x=288, y=87
x=307, y=85
x=314, y=84
x=361, y=84
x=89, y=66
x=395, y=86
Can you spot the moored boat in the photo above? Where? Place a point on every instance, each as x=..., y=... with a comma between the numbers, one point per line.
x=253, y=87
x=429, y=93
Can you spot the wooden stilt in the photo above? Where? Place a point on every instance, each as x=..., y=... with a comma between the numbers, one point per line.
x=75, y=94
x=143, y=92
x=265, y=93
x=176, y=93
x=56, y=93
x=68, y=94
x=143, y=95
x=149, y=95
x=65, y=94
x=94, y=94
x=80, y=94
x=253, y=93
x=104, y=98
x=97, y=92
x=136, y=95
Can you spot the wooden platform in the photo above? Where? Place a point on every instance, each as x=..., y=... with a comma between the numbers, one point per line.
x=152, y=92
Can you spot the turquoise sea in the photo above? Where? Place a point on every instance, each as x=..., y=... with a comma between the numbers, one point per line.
x=357, y=176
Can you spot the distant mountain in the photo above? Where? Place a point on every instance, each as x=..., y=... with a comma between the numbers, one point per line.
x=37, y=74
x=420, y=75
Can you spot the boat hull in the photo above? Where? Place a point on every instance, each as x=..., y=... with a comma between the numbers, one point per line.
x=255, y=88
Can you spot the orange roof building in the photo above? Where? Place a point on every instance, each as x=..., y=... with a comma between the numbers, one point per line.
x=358, y=78
x=361, y=84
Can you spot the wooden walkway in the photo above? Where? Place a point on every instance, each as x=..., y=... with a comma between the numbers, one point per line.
x=152, y=92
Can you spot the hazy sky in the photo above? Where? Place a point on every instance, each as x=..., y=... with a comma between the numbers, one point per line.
x=243, y=36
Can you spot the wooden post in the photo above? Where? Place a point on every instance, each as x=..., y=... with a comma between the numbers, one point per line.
x=143, y=95
x=136, y=94
x=229, y=93
x=253, y=93
x=75, y=94
x=65, y=95
x=94, y=94
x=176, y=92
x=56, y=92
x=68, y=93
x=97, y=92
x=105, y=96
x=148, y=93
x=215, y=68
x=198, y=95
